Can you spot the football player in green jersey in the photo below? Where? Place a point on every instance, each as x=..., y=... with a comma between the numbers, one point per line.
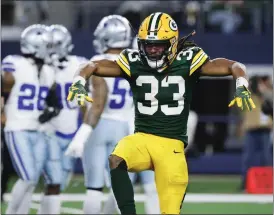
x=162, y=74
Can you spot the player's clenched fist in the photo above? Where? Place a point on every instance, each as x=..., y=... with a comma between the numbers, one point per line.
x=77, y=89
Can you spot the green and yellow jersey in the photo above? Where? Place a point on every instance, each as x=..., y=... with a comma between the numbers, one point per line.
x=162, y=98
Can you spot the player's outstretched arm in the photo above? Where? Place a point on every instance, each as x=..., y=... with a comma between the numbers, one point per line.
x=225, y=67
x=99, y=94
x=102, y=68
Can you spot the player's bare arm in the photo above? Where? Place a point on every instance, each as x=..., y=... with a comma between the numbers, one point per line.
x=99, y=94
x=225, y=67
x=102, y=68
x=3, y=116
x=8, y=81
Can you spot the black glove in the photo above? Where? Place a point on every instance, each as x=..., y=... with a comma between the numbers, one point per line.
x=52, y=99
x=48, y=114
x=53, y=106
x=267, y=107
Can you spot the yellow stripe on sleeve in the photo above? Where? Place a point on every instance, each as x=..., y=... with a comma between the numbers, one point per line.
x=198, y=63
x=124, y=63
x=123, y=66
x=125, y=59
x=197, y=57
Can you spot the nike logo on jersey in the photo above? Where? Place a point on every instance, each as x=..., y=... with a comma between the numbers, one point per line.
x=176, y=152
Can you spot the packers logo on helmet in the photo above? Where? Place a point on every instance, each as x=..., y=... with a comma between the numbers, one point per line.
x=157, y=40
x=173, y=25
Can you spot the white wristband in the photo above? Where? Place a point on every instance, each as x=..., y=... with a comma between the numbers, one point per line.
x=79, y=78
x=239, y=65
x=241, y=81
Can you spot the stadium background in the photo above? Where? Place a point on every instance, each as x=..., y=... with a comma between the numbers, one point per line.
x=238, y=30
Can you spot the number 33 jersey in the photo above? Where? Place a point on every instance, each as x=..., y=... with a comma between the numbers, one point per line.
x=27, y=97
x=119, y=103
x=162, y=98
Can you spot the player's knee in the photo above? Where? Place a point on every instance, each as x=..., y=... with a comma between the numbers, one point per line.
x=52, y=189
x=117, y=162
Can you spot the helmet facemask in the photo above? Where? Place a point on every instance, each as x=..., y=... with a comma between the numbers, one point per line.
x=156, y=53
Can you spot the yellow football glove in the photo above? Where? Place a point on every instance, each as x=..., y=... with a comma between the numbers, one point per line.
x=243, y=99
x=80, y=92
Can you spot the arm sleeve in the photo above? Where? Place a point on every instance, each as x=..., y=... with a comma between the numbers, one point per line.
x=123, y=63
x=198, y=60
x=8, y=64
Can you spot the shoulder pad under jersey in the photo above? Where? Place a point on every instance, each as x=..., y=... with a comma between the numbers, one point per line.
x=199, y=58
x=126, y=58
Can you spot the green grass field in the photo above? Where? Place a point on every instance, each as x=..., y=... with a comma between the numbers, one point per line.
x=188, y=208
x=206, y=195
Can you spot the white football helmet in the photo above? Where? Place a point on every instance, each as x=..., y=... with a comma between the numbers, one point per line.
x=37, y=40
x=113, y=31
x=62, y=41
x=135, y=44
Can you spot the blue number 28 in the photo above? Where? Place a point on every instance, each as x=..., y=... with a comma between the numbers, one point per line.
x=27, y=101
x=118, y=90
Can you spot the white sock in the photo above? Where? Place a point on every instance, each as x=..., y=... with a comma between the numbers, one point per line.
x=26, y=202
x=50, y=204
x=110, y=206
x=93, y=202
x=19, y=191
x=152, y=205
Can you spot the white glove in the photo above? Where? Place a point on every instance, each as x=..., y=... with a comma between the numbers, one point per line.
x=76, y=147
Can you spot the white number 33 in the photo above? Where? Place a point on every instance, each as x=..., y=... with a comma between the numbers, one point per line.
x=154, y=103
x=188, y=53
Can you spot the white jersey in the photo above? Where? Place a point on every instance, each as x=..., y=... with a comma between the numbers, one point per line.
x=67, y=122
x=119, y=104
x=27, y=97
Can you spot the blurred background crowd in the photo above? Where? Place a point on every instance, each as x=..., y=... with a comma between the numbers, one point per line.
x=220, y=16
x=225, y=141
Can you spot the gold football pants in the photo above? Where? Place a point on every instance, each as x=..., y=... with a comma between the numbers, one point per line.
x=166, y=157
